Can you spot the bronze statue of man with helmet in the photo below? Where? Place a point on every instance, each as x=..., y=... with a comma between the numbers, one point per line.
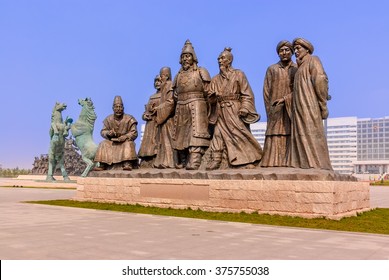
x=190, y=134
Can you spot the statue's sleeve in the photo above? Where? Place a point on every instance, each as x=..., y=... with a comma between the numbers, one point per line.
x=206, y=78
x=166, y=108
x=320, y=82
x=247, y=99
x=267, y=90
x=132, y=133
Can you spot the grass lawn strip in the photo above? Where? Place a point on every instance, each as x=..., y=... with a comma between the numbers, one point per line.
x=374, y=221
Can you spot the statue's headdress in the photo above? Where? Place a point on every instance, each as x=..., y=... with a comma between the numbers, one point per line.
x=117, y=100
x=227, y=52
x=188, y=48
x=305, y=43
x=284, y=43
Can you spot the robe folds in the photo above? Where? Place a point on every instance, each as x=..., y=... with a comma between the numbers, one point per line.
x=232, y=131
x=278, y=84
x=109, y=151
x=308, y=147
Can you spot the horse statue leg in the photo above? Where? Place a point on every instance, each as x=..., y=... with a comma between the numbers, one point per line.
x=63, y=170
x=89, y=166
x=52, y=165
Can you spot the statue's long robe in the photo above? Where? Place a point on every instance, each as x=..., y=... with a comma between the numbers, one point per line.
x=164, y=120
x=278, y=84
x=110, y=152
x=308, y=148
x=233, y=93
x=149, y=145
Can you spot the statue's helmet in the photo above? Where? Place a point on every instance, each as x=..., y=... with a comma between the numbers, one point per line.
x=188, y=48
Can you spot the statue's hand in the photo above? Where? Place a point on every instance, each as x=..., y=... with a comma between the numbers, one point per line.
x=122, y=138
x=278, y=101
x=324, y=114
x=55, y=137
x=243, y=112
x=111, y=134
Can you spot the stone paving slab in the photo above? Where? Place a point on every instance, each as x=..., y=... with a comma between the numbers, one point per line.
x=38, y=182
x=31, y=231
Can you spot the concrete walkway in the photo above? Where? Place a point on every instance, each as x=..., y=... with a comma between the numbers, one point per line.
x=31, y=231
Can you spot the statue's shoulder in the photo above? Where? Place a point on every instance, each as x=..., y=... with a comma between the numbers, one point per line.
x=129, y=118
x=204, y=74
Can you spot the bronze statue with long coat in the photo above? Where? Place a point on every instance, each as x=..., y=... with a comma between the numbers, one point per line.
x=232, y=116
x=308, y=147
x=149, y=147
x=164, y=119
x=277, y=96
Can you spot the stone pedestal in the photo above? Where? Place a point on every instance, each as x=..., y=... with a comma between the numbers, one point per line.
x=293, y=192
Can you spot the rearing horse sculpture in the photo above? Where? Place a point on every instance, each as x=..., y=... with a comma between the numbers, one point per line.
x=59, y=129
x=82, y=131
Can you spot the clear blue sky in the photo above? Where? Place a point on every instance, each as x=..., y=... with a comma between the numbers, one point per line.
x=62, y=50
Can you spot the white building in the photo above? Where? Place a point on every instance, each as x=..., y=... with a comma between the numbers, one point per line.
x=342, y=143
x=373, y=146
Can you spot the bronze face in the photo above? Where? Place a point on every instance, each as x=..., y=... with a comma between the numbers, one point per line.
x=118, y=110
x=157, y=83
x=186, y=60
x=300, y=51
x=285, y=53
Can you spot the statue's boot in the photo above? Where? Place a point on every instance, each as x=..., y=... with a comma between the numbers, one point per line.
x=127, y=166
x=194, y=161
x=216, y=161
x=100, y=167
x=66, y=178
x=181, y=158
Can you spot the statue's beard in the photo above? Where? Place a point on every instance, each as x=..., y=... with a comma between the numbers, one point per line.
x=224, y=70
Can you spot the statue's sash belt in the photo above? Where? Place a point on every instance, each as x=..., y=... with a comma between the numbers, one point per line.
x=187, y=97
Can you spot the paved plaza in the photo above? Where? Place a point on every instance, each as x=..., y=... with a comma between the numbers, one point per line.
x=32, y=231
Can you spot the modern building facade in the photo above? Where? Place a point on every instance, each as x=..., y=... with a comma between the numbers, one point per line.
x=372, y=146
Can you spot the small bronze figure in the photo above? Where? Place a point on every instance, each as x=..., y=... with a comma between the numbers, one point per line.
x=308, y=148
x=277, y=95
x=164, y=118
x=149, y=146
x=234, y=112
x=190, y=135
x=118, y=148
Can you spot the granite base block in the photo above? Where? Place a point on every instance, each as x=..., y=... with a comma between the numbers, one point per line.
x=302, y=198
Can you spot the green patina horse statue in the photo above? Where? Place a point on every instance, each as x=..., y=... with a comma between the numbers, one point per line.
x=59, y=130
x=82, y=130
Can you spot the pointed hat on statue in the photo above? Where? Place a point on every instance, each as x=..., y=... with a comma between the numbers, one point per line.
x=117, y=100
x=188, y=48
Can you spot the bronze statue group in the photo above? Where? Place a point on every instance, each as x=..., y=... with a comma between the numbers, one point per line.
x=194, y=114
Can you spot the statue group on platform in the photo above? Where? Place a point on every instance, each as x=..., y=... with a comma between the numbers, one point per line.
x=194, y=114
